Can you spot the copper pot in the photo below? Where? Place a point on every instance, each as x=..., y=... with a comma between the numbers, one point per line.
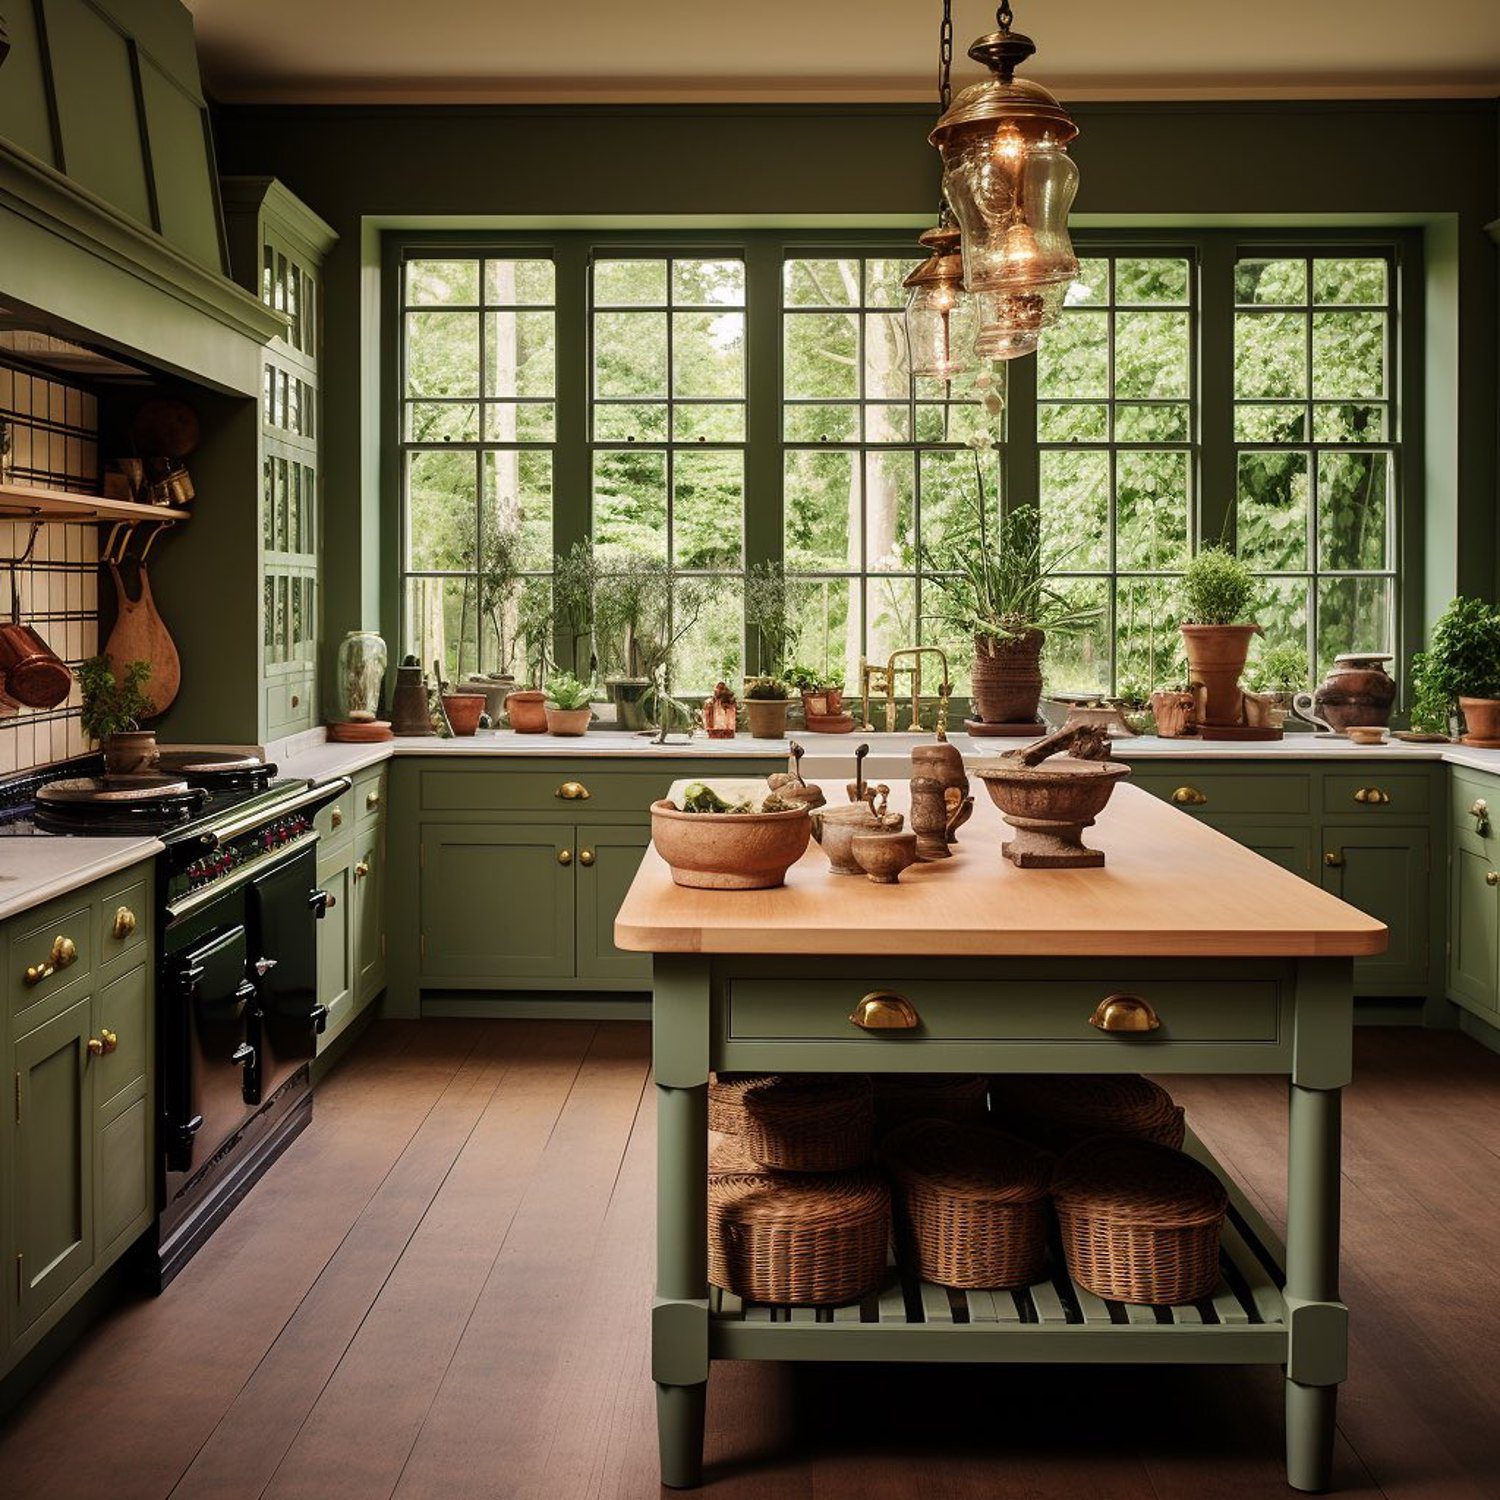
x=33, y=674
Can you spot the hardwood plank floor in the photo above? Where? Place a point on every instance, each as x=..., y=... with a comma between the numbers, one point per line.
x=441, y=1291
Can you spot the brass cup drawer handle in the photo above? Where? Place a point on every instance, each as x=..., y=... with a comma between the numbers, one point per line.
x=124, y=924
x=565, y=856
x=572, y=791
x=104, y=1043
x=1125, y=1013
x=63, y=952
x=1189, y=796
x=1372, y=796
x=884, y=1010
x=585, y=856
x=1334, y=859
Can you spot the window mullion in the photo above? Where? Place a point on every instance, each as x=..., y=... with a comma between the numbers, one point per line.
x=764, y=475
x=1217, y=483
x=572, y=473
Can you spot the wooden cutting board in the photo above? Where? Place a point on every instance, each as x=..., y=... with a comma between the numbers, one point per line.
x=141, y=635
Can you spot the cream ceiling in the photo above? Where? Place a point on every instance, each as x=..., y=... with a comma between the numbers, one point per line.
x=546, y=51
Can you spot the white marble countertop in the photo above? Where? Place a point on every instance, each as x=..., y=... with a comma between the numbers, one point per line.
x=33, y=870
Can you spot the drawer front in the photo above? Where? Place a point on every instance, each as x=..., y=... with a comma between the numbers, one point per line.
x=48, y=948
x=1202, y=791
x=335, y=821
x=1474, y=803
x=368, y=796
x=289, y=704
x=120, y=1008
x=124, y=920
x=1050, y=1017
x=578, y=790
x=1376, y=792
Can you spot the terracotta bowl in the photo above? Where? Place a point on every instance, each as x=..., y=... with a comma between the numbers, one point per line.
x=729, y=851
x=463, y=710
x=883, y=856
x=1061, y=790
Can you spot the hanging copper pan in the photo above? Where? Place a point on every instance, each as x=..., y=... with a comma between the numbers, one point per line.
x=32, y=673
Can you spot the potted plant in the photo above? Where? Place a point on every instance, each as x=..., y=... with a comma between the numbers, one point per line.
x=822, y=691
x=568, y=709
x=1281, y=671
x=112, y=710
x=1461, y=668
x=526, y=707
x=632, y=613
x=1216, y=591
x=767, y=700
x=996, y=584
x=768, y=615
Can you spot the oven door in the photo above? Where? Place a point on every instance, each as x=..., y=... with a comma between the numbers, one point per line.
x=211, y=1082
x=284, y=907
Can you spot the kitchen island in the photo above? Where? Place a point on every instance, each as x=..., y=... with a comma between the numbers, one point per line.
x=1246, y=968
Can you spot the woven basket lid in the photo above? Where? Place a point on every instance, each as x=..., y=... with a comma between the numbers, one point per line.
x=805, y=1094
x=1138, y=1182
x=1083, y=1096
x=827, y=1199
x=967, y=1161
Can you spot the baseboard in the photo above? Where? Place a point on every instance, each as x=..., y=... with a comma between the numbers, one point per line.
x=1387, y=1011
x=553, y=1005
x=1479, y=1031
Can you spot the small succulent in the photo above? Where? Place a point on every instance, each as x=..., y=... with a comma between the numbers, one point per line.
x=567, y=692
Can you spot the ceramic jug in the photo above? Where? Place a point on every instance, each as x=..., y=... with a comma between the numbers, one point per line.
x=1358, y=690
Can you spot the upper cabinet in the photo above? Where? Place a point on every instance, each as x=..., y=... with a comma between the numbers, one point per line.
x=107, y=92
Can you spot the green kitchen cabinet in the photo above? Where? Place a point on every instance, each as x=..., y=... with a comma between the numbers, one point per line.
x=352, y=870
x=53, y=1160
x=1286, y=844
x=608, y=857
x=367, y=886
x=1474, y=923
x=336, y=946
x=497, y=902
x=1385, y=871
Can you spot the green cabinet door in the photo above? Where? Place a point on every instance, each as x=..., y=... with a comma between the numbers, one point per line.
x=1384, y=872
x=1286, y=844
x=1474, y=923
x=607, y=861
x=53, y=1166
x=369, y=913
x=497, y=902
x=335, y=947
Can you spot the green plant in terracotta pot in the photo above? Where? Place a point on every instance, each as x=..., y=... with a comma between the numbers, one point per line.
x=569, y=704
x=112, y=710
x=767, y=701
x=768, y=616
x=526, y=707
x=1216, y=592
x=1460, y=669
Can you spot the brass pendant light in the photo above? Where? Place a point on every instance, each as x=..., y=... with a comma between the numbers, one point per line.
x=1010, y=181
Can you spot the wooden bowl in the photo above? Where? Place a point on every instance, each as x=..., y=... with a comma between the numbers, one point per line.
x=883, y=856
x=1049, y=806
x=729, y=851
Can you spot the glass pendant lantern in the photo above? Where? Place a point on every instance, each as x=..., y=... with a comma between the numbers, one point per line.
x=1010, y=181
x=941, y=325
x=1011, y=323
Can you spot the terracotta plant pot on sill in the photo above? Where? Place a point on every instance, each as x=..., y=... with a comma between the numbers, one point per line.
x=1008, y=677
x=568, y=720
x=463, y=710
x=1481, y=722
x=527, y=709
x=767, y=717
x=1216, y=658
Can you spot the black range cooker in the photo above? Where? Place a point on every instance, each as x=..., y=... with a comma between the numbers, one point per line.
x=237, y=1012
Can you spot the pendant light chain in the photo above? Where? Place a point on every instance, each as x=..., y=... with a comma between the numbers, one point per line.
x=945, y=58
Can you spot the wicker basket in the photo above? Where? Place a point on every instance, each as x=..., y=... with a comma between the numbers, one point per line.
x=726, y=1099
x=1140, y=1222
x=728, y=1157
x=804, y=1241
x=1058, y=1110
x=809, y=1124
x=957, y=1097
x=975, y=1201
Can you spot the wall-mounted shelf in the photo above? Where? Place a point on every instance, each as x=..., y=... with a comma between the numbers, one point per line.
x=22, y=502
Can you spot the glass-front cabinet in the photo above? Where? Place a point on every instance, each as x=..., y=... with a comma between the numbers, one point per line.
x=278, y=245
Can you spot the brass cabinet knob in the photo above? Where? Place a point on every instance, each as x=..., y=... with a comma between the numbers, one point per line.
x=124, y=924
x=1125, y=1013
x=361, y=868
x=96, y=1047
x=1334, y=859
x=1189, y=796
x=331, y=902
x=109, y=1039
x=585, y=856
x=565, y=856
x=336, y=818
x=1480, y=812
x=63, y=952
x=1372, y=796
x=1491, y=878
x=884, y=1010
x=572, y=791
x=372, y=800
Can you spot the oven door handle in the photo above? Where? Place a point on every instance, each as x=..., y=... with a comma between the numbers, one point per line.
x=318, y=1015
x=319, y=901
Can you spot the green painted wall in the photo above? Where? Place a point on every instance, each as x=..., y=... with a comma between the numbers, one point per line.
x=363, y=168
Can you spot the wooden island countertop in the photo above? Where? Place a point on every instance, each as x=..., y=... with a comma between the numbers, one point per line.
x=1171, y=887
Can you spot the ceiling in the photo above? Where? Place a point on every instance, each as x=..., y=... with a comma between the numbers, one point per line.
x=764, y=51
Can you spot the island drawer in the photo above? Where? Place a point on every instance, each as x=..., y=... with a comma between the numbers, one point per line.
x=1255, y=789
x=956, y=1017
x=498, y=788
x=1397, y=793
x=48, y=948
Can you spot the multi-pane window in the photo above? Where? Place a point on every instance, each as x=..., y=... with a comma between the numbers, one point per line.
x=1116, y=426
x=668, y=451
x=478, y=430
x=872, y=464
x=1315, y=447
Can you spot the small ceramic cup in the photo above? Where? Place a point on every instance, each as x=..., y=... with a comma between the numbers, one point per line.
x=883, y=856
x=1366, y=734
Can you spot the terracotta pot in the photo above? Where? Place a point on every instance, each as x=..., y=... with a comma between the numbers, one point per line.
x=463, y=710
x=129, y=752
x=1481, y=722
x=1173, y=713
x=1008, y=678
x=1358, y=690
x=883, y=856
x=767, y=717
x=823, y=703
x=729, y=851
x=1216, y=658
x=568, y=720
x=527, y=710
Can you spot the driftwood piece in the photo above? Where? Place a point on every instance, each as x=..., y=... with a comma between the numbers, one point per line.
x=1081, y=741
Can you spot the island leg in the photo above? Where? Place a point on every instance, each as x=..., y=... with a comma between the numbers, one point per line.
x=1317, y=1321
x=679, y=1315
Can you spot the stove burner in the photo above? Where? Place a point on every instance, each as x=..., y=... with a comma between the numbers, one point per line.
x=109, y=790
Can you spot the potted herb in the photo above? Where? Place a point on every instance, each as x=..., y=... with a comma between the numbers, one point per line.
x=112, y=710
x=996, y=585
x=1280, y=670
x=1216, y=591
x=1461, y=668
x=822, y=691
x=568, y=707
x=769, y=618
x=633, y=605
x=767, y=700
